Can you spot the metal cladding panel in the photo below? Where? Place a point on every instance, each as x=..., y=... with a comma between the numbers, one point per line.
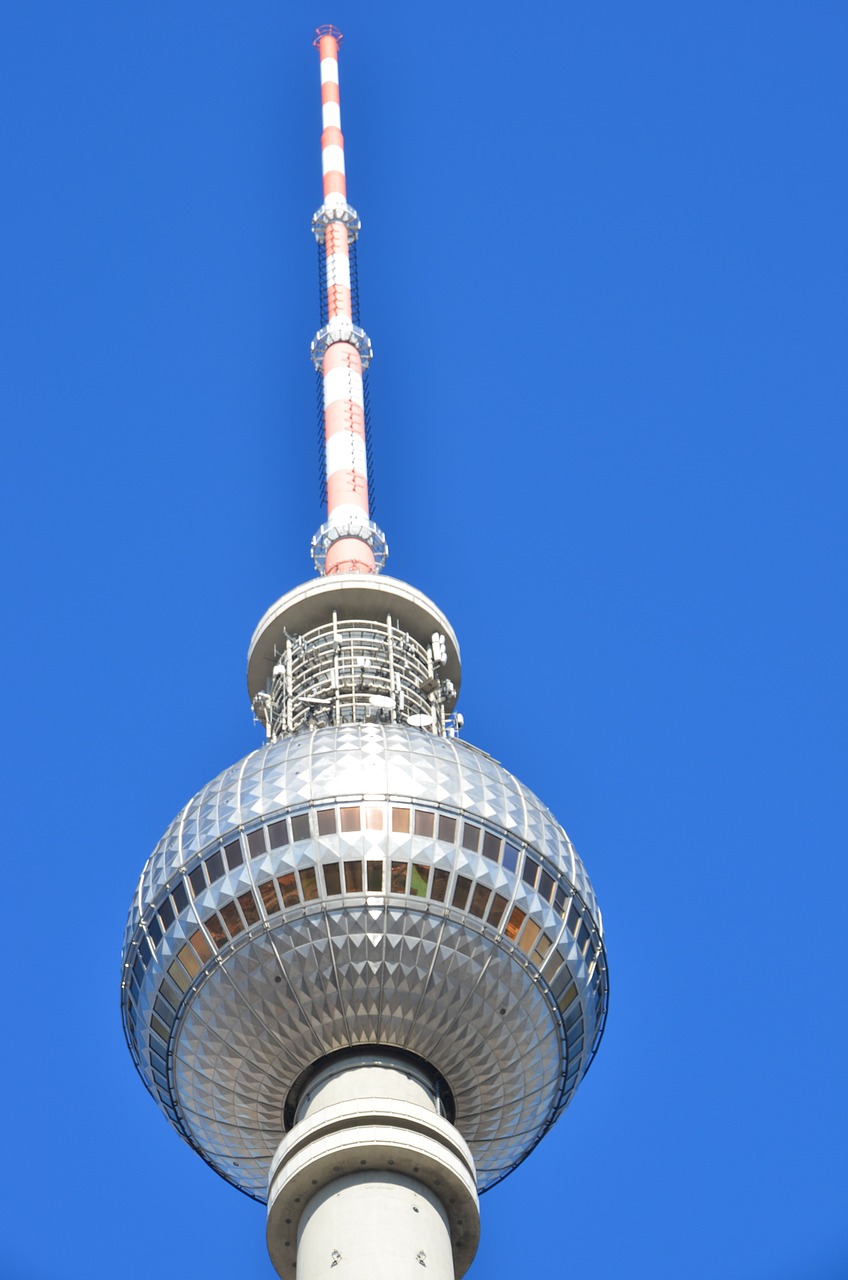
x=366, y=884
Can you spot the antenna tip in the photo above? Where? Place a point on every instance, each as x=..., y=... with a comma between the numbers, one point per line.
x=327, y=30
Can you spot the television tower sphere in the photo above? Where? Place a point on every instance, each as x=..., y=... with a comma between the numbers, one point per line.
x=364, y=967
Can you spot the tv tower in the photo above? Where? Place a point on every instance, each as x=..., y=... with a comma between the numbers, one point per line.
x=364, y=970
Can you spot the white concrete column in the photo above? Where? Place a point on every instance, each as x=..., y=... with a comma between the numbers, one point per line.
x=372, y=1182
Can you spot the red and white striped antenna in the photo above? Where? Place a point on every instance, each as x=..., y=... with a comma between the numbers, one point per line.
x=349, y=541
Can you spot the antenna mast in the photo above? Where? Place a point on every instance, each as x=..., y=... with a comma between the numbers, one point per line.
x=349, y=541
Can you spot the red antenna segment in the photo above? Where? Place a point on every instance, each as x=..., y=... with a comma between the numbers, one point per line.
x=349, y=541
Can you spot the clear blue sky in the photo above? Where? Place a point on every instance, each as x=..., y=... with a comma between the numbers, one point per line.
x=604, y=271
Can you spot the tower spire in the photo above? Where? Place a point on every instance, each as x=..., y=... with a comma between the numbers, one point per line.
x=349, y=541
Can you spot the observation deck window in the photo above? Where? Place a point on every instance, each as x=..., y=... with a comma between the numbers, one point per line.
x=492, y=846
x=398, y=877
x=470, y=837
x=419, y=880
x=232, y=919
x=350, y=819
x=201, y=946
x=353, y=877
x=530, y=871
x=278, y=834
x=326, y=822
x=400, y=820
x=480, y=901
x=461, y=890
x=180, y=896
x=249, y=909
x=498, y=907
x=216, y=930
x=288, y=889
x=300, y=827
x=510, y=857
x=214, y=866
x=440, y=885
x=256, y=843
x=308, y=884
x=332, y=879
x=447, y=828
x=233, y=854
x=375, y=877
x=197, y=880
x=514, y=923
x=270, y=901
x=424, y=822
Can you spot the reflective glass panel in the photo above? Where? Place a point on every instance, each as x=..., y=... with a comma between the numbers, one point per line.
x=529, y=872
x=529, y=934
x=543, y=946
x=300, y=826
x=309, y=884
x=424, y=822
x=470, y=837
x=256, y=842
x=201, y=946
x=447, y=828
x=159, y=1027
x=326, y=822
x=197, y=880
x=400, y=819
x=270, y=901
x=491, y=847
x=353, y=877
x=232, y=852
x=375, y=877
x=249, y=909
x=189, y=961
x=419, y=879
x=496, y=910
x=178, y=975
x=278, y=834
x=165, y=1012
x=155, y=930
x=350, y=818
x=440, y=885
x=232, y=919
x=373, y=817
x=461, y=890
x=214, y=866
x=399, y=877
x=510, y=857
x=215, y=931
x=332, y=878
x=166, y=914
x=514, y=923
x=180, y=896
x=288, y=889
x=479, y=901
x=546, y=886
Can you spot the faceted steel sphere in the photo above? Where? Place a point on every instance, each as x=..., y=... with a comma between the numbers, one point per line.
x=366, y=884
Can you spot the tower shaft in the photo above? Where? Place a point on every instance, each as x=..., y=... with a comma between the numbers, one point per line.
x=372, y=1177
